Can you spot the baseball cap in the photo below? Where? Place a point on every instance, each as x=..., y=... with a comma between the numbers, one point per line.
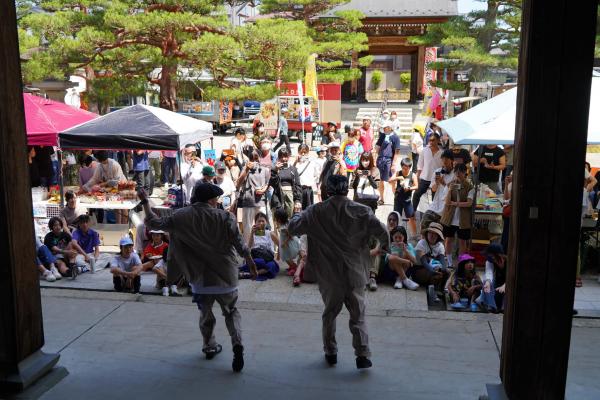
x=125, y=241
x=220, y=165
x=208, y=170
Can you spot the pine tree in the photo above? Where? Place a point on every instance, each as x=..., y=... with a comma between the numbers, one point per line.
x=337, y=39
x=480, y=40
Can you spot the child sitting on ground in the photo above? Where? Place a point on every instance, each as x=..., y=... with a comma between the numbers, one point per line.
x=89, y=241
x=262, y=249
x=44, y=261
x=289, y=246
x=160, y=269
x=402, y=256
x=464, y=283
x=126, y=268
x=64, y=249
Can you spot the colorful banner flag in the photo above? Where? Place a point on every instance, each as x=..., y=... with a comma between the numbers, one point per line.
x=310, y=78
x=429, y=74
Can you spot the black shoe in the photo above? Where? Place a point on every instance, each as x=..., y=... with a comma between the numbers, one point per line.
x=363, y=362
x=212, y=352
x=331, y=359
x=238, y=358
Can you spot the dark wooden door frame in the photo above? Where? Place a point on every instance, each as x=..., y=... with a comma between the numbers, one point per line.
x=557, y=47
x=21, y=327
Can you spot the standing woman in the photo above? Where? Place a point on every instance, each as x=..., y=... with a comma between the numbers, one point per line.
x=333, y=166
x=258, y=132
x=251, y=186
x=286, y=184
x=366, y=181
x=308, y=171
x=351, y=150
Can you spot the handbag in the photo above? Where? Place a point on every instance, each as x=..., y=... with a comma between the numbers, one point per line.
x=366, y=193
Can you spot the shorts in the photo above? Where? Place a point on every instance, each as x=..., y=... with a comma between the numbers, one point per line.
x=386, y=274
x=463, y=234
x=384, y=164
x=404, y=207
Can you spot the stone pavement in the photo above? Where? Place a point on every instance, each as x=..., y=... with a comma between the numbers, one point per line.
x=122, y=346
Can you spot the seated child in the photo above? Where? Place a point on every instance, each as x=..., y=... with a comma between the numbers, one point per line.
x=400, y=258
x=302, y=256
x=464, y=282
x=262, y=248
x=89, y=241
x=160, y=269
x=431, y=267
x=44, y=261
x=289, y=246
x=63, y=248
x=126, y=268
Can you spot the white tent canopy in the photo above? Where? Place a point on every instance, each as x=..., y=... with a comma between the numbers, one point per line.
x=493, y=121
x=138, y=127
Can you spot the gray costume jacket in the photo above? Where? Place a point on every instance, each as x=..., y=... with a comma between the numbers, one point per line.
x=203, y=244
x=338, y=232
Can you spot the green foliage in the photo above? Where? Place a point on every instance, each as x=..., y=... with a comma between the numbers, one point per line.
x=335, y=39
x=129, y=39
x=257, y=92
x=453, y=85
x=597, y=50
x=376, y=78
x=472, y=37
x=405, y=78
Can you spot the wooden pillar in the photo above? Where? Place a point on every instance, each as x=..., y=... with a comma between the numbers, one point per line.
x=420, y=70
x=557, y=47
x=21, y=330
x=414, y=77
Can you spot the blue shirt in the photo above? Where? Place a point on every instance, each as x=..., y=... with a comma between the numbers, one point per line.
x=87, y=241
x=283, y=126
x=388, y=144
x=126, y=264
x=140, y=161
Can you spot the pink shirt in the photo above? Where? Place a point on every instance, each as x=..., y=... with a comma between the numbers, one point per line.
x=366, y=138
x=170, y=154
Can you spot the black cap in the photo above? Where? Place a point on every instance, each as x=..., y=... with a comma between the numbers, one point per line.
x=449, y=154
x=204, y=192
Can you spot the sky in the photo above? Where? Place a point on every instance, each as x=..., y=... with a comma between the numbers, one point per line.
x=464, y=6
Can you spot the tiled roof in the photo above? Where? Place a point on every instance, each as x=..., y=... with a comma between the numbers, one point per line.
x=400, y=8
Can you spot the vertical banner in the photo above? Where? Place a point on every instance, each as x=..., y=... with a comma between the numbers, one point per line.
x=225, y=112
x=429, y=74
x=310, y=78
x=302, y=112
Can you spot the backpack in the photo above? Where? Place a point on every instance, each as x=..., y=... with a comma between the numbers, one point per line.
x=174, y=197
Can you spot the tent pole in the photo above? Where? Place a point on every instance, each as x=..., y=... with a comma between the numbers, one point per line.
x=60, y=179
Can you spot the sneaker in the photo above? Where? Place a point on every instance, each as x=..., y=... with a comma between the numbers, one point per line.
x=238, y=358
x=174, y=291
x=211, y=352
x=410, y=285
x=331, y=359
x=48, y=276
x=165, y=291
x=83, y=269
x=398, y=284
x=74, y=272
x=372, y=284
x=55, y=273
x=363, y=362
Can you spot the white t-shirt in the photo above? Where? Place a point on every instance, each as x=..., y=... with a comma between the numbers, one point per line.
x=428, y=163
x=264, y=241
x=416, y=143
x=311, y=171
x=433, y=250
x=439, y=200
x=456, y=217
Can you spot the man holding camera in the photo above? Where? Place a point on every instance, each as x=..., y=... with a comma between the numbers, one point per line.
x=191, y=171
x=442, y=178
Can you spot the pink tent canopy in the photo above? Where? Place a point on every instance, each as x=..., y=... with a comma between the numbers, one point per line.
x=44, y=119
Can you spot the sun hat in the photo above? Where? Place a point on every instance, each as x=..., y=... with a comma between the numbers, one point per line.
x=208, y=170
x=387, y=124
x=334, y=145
x=125, y=241
x=464, y=258
x=437, y=229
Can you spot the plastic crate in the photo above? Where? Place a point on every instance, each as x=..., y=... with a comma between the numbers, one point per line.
x=53, y=210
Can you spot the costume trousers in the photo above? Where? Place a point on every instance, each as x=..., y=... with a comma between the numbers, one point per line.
x=335, y=296
x=233, y=319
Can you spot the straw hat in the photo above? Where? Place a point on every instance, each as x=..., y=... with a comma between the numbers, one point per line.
x=437, y=229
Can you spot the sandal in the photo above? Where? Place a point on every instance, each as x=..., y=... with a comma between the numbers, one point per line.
x=245, y=275
x=212, y=351
x=291, y=271
x=578, y=282
x=380, y=202
x=296, y=281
